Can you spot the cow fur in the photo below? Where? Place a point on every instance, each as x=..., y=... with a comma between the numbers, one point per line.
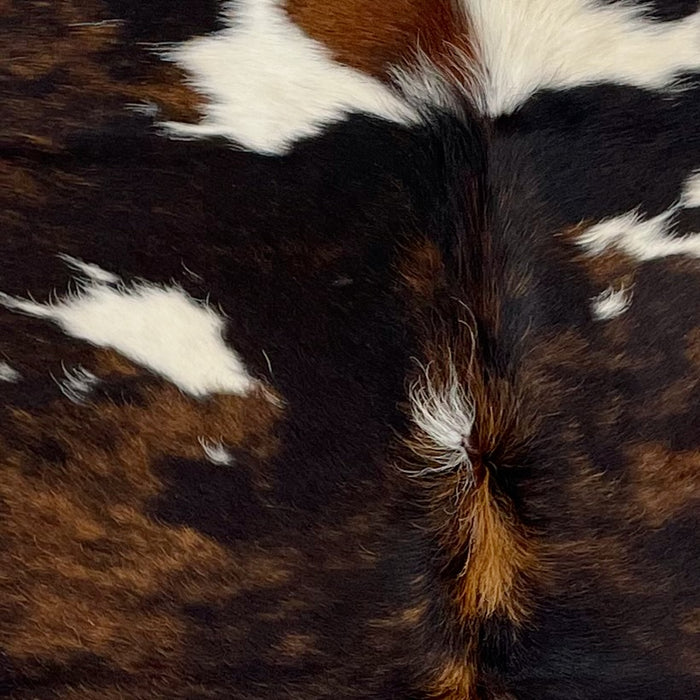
x=392, y=401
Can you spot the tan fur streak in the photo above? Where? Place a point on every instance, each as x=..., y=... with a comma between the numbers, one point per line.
x=499, y=552
x=456, y=680
x=479, y=529
x=485, y=529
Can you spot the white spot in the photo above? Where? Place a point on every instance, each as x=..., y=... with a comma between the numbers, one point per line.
x=528, y=45
x=8, y=374
x=161, y=328
x=640, y=238
x=147, y=108
x=90, y=271
x=216, y=452
x=270, y=85
x=691, y=191
x=611, y=303
x=445, y=417
x=77, y=384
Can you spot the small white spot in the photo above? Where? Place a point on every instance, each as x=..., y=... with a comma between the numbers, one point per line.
x=161, y=328
x=528, y=45
x=691, y=192
x=77, y=384
x=8, y=374
x=269, y=85
x=216, y=452
x=640, y=238
x=445, y=417
x=611, y=303
x=90, y=271
x=146, y=108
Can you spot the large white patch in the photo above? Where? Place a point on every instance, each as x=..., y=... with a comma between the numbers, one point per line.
x=638, y=237
x=158, y=327
x=529, y=45
x=269, y=84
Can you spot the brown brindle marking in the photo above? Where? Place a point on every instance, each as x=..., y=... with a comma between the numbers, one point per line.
x=111, y=362
x=692, y=349
x=376, y=36
x=691, y=623
x=295, y=645
x=20, y=185
x=499, y=552
x=666, y=483
x=80, y=524
x=62, y=51
x=422, y=272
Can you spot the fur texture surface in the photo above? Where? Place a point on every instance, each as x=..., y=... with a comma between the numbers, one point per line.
x=350, y=350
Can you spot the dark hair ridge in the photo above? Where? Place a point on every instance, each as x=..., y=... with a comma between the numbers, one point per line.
x=546, y=515
x=450, y=481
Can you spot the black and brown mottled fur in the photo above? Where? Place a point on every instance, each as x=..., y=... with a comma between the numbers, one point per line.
x=561, y=566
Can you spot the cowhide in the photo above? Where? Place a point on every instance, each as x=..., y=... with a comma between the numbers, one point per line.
x=350, y=349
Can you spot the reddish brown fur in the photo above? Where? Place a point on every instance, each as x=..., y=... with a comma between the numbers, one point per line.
x=422, y=273
x=376, y=36
x=692, y=350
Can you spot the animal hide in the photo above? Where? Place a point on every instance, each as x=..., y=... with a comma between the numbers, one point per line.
x=350, y=349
